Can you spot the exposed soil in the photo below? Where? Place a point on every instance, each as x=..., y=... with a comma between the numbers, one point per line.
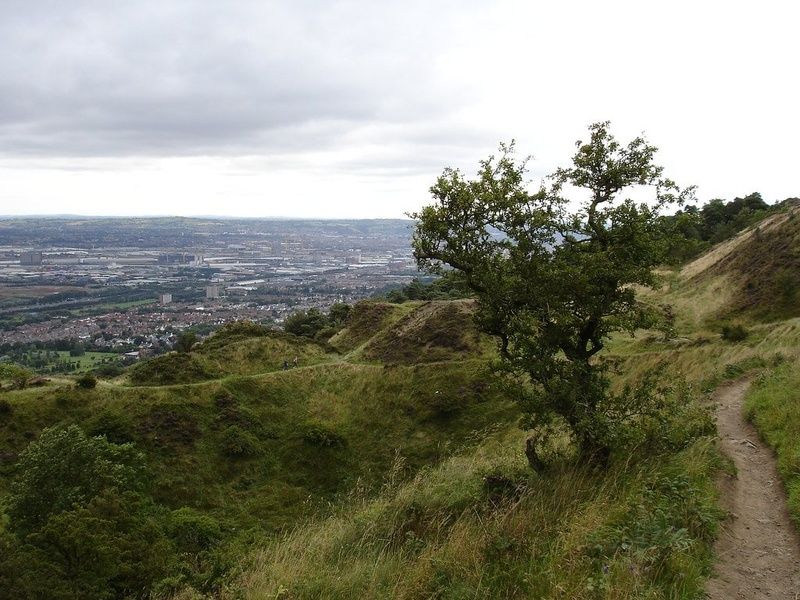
x=758, y=549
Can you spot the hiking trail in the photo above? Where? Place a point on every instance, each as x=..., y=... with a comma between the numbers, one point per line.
x=758, y=549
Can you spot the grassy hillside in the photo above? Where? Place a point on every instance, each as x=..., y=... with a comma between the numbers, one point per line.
x=429, y=332
x=752, y=277
x=229, y=434
x=773, y=404
x=480, y=525
x=366, y=320
x=389, y=465
x=237, y=349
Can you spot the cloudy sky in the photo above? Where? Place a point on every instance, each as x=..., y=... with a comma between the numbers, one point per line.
x=350, y=109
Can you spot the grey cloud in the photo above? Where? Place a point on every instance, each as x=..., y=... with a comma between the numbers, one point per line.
x=91, y=78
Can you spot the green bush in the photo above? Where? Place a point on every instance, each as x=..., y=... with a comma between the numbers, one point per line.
x=18, y=376
x=238, y=443
x=185, y=342
x=86, y=382
x=65, y=468
x=112, y=547
x=116, y=427
x=445, y=404
x=192, y=531
x=108, y=370
x=169, y=427
x=662, y=526
x=734, y=333
x=170, y=369
x=786, y=284
x=654, y=418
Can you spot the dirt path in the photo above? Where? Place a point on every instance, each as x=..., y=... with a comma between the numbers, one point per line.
x=758, y=549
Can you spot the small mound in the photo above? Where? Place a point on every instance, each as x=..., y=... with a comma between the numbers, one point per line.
x=170, y=369
x=436, y=331
x=366, y=319
x=233, y=332
x=241, y=355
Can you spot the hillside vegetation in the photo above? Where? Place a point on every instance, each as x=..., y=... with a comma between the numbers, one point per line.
x=249, y=447
x=390, y=462
x=480, y=525
x=752, y=276
x=237, y=349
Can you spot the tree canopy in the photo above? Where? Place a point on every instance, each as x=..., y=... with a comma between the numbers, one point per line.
x=65, y=468
x=554, y=268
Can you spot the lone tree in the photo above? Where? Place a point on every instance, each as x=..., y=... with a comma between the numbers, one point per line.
x=554, y=277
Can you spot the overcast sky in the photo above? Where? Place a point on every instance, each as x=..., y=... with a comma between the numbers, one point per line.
x=351, y=109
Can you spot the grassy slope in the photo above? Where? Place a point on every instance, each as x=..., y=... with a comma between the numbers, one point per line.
x=315, y=432
x=480, y=525
x=752, y=279
x=376, y=412
x=243, y=351
x=773, y=404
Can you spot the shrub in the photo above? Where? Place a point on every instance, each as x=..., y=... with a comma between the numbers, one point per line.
x=185, y=341
x=108, y=370
x=86, y=382
x=305, y=323
x=238, y=443
x=5, y=407
x=169, y=427
x=734, y=333
x=658, y=528
x=786, y=284
x=325, y=333
x=322, y=436
x=169, y=369
x=116, y=427
x=446, y=404
x=18, y=376
x=192, y=531
x=65, y=468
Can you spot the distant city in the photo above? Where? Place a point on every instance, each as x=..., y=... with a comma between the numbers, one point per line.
x=130, y=285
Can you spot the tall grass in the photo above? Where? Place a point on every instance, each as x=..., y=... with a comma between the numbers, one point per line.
x=773, y=405
x=481, y=525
